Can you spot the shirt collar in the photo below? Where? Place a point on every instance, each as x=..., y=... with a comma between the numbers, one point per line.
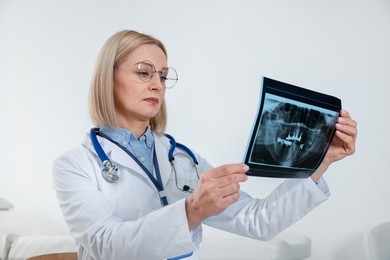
x=124, y=136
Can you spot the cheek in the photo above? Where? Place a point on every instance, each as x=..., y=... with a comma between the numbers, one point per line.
x=122, y=94
x=119, y=90
x=123, y=87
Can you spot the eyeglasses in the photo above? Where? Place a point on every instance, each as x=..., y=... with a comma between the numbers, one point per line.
x=146, y=71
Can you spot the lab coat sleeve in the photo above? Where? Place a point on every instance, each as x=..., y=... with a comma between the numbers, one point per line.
x=100, y=234
x=264, y=218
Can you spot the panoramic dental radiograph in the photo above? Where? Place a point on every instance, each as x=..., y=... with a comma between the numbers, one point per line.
x=291, y=135
x=293, y=130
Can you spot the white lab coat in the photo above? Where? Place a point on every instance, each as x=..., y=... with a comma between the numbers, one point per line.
x=125, y=220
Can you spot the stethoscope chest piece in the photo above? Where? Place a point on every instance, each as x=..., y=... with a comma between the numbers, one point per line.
x=110, y=171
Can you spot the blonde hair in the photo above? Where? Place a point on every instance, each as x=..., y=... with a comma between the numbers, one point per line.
x=101, y=93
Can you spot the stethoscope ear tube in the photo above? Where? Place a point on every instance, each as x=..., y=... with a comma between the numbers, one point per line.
x=181, y=146
x=173, y=146
x=171, y=158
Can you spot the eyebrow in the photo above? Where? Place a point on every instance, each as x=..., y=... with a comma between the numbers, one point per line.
x=151, y=63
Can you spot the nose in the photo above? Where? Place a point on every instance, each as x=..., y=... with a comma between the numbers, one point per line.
x=155, y=82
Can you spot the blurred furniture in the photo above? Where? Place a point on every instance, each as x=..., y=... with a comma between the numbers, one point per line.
x=377, y=242
x=233, y=247
x=59, y=256
x=24, y=234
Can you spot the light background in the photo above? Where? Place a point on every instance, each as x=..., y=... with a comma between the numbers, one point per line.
x=221, y=49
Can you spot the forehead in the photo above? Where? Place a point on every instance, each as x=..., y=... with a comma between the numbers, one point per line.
x=149, y=52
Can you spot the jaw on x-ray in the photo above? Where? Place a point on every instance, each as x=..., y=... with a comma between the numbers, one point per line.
x=293, y=131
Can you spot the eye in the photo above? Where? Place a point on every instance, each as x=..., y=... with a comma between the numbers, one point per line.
x=145, y=70
x=163, y=78
x=144, y=73
x=164, y=74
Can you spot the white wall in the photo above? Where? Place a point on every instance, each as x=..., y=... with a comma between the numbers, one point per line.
x=220, y=49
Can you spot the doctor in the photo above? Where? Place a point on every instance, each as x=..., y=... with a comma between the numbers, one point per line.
x=147, y=206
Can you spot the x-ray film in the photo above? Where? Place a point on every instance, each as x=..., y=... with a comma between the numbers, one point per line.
x=293, y=130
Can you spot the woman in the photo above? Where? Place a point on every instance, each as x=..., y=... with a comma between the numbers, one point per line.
x=146, y=214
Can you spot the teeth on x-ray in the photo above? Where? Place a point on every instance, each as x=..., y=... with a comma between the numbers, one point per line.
x=290, y=134
x=291, y=139
x=295, y=137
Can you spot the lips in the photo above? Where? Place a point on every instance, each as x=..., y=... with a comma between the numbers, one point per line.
x=152, y=100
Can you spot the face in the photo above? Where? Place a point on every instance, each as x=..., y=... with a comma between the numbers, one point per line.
x=138, y=101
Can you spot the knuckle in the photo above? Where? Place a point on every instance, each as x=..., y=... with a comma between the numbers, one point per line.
x=235, y=187
x=225, y=168
x=235, y=197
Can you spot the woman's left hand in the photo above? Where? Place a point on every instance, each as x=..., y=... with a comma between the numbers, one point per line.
x=343, y=143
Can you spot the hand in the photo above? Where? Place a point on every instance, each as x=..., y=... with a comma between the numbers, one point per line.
x=344, y=140
x=216, y=190
x=343, y=143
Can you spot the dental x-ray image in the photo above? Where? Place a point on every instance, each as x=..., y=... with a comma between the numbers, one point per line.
x=293, y=131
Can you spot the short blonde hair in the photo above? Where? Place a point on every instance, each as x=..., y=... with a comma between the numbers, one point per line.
x=101, y=94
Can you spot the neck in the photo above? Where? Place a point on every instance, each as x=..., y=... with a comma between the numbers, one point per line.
x=137, y=128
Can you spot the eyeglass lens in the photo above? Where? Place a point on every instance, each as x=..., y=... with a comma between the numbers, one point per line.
x=146, y=71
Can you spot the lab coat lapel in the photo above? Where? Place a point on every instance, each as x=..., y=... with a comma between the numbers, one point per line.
x=162, y=146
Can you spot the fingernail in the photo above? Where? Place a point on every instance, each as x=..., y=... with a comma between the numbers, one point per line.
x=246, y=168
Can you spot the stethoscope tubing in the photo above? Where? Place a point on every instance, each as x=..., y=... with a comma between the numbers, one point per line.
x=174, y=144
x=110, y=170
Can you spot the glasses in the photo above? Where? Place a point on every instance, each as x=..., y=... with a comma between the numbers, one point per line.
x=146, y=71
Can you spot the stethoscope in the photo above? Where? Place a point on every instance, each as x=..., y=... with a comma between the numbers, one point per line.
x=110, y=170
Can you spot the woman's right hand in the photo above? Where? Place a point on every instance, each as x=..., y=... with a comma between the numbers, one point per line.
x=217, y=189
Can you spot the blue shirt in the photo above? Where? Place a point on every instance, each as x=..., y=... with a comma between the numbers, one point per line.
x=142, y=148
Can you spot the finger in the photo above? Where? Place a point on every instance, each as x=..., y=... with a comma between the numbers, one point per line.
x=344, y=113
x=228, y=169
x=230, y=189
x=346, y=138
x=231, y=193
x=349, y=142
x=346, y=129
x=347, y=121
x=230, y=179
x=345, y=118
x=224, y=202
